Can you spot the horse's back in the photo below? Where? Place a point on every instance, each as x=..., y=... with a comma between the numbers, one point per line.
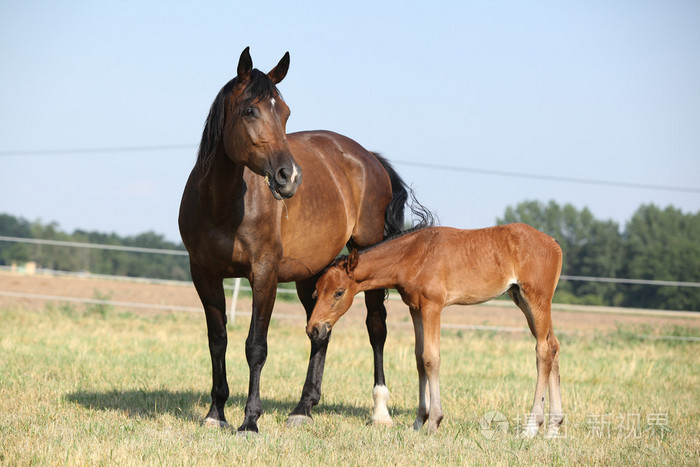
x=323, y=150
x=477, y=265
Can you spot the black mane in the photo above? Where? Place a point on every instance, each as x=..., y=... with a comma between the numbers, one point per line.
x=259, y=87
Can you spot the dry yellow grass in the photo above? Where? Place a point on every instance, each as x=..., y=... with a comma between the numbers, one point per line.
x=96, y=386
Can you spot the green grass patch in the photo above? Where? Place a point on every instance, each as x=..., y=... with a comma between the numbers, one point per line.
x=99, y=387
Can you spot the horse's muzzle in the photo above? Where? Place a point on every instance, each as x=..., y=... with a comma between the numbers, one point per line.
x=319, y=333
x=285, y=181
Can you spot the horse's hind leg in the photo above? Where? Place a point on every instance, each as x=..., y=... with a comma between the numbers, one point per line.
x=376, y=327
x=211, y=293
x=538, y=314
x=311, y=393
x=423, y=392
x=556, y=417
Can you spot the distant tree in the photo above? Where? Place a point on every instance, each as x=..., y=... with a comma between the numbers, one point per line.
x=11, y=226
x=663, y=244
x=93, y=260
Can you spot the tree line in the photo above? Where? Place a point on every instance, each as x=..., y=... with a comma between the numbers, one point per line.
x=61, y=258
x=656, y=244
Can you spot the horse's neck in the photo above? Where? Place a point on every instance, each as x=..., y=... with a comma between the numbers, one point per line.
x=223, y=184
x=378, y=268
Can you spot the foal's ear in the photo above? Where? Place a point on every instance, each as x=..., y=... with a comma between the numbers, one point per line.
x=353, y=258
x=245, y=64
x=278, y=73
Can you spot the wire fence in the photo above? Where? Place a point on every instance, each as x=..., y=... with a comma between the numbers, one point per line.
x=236, y=287
x=133, y=249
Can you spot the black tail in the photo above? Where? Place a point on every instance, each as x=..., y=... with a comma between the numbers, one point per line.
x=402, y=197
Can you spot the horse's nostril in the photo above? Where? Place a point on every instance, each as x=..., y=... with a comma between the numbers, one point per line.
x=282, y=176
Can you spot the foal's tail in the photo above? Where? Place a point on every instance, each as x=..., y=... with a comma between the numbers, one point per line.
x=402, y=197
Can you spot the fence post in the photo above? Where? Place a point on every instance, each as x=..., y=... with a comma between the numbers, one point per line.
x=234, y=299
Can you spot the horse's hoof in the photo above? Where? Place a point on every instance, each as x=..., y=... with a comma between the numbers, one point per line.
x=381, y=421
x=214, y=423
x=552, y=432
x=529, y=432
x=298, y=420
x=431, y=428
x=246, y=433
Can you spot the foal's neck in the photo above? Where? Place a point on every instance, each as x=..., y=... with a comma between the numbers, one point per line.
x=378, y=268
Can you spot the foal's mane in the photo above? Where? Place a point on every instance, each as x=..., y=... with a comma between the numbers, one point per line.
x=259, y=87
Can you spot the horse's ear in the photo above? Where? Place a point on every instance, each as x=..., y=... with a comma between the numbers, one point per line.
x=278, y=73
x=353, y=258
x=245, y=64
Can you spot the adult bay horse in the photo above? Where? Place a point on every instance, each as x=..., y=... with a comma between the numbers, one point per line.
x=440, y=266
x=246, y=213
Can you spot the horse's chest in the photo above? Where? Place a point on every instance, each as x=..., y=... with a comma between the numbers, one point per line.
x=226, y=252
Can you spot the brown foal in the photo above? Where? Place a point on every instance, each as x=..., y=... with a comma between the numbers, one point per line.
x=439, y=266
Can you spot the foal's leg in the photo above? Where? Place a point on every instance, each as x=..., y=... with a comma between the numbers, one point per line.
x=311, y=394
x=430, y=315
x=539, y=319
x=556, y=417
x=423, y=394
x=211, y=292
x=376, y=327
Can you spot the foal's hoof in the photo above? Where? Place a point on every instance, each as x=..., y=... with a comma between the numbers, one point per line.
x=431, y=428
x=552, y=432
x=381, y=421
x=214, y=423
x=298, y=420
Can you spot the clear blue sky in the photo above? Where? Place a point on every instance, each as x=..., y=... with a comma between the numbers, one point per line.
x=606, y=90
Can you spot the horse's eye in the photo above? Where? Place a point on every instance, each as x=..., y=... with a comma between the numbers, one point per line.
x=339, y=293
x=248, y=111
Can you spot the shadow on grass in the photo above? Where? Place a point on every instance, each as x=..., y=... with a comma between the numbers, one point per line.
x=192, y=406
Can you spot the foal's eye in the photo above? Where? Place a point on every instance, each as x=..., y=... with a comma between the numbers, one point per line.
x=338, y=293
x=249, y=111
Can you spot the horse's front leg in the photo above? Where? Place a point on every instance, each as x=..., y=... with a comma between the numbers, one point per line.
x=430, y=315
x=264, y=288
x=211, y=292
x=311, y=393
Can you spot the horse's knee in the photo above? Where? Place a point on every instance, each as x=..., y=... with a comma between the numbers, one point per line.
x=554, y=345
x=543, y=349
x=431, y=363
x=545, y=357
x=255, y=352
x=218, y=347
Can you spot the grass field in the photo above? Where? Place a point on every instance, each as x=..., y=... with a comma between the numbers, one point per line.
x=96, y=386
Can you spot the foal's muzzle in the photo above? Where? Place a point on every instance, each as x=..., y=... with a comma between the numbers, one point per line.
x=319, y=333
